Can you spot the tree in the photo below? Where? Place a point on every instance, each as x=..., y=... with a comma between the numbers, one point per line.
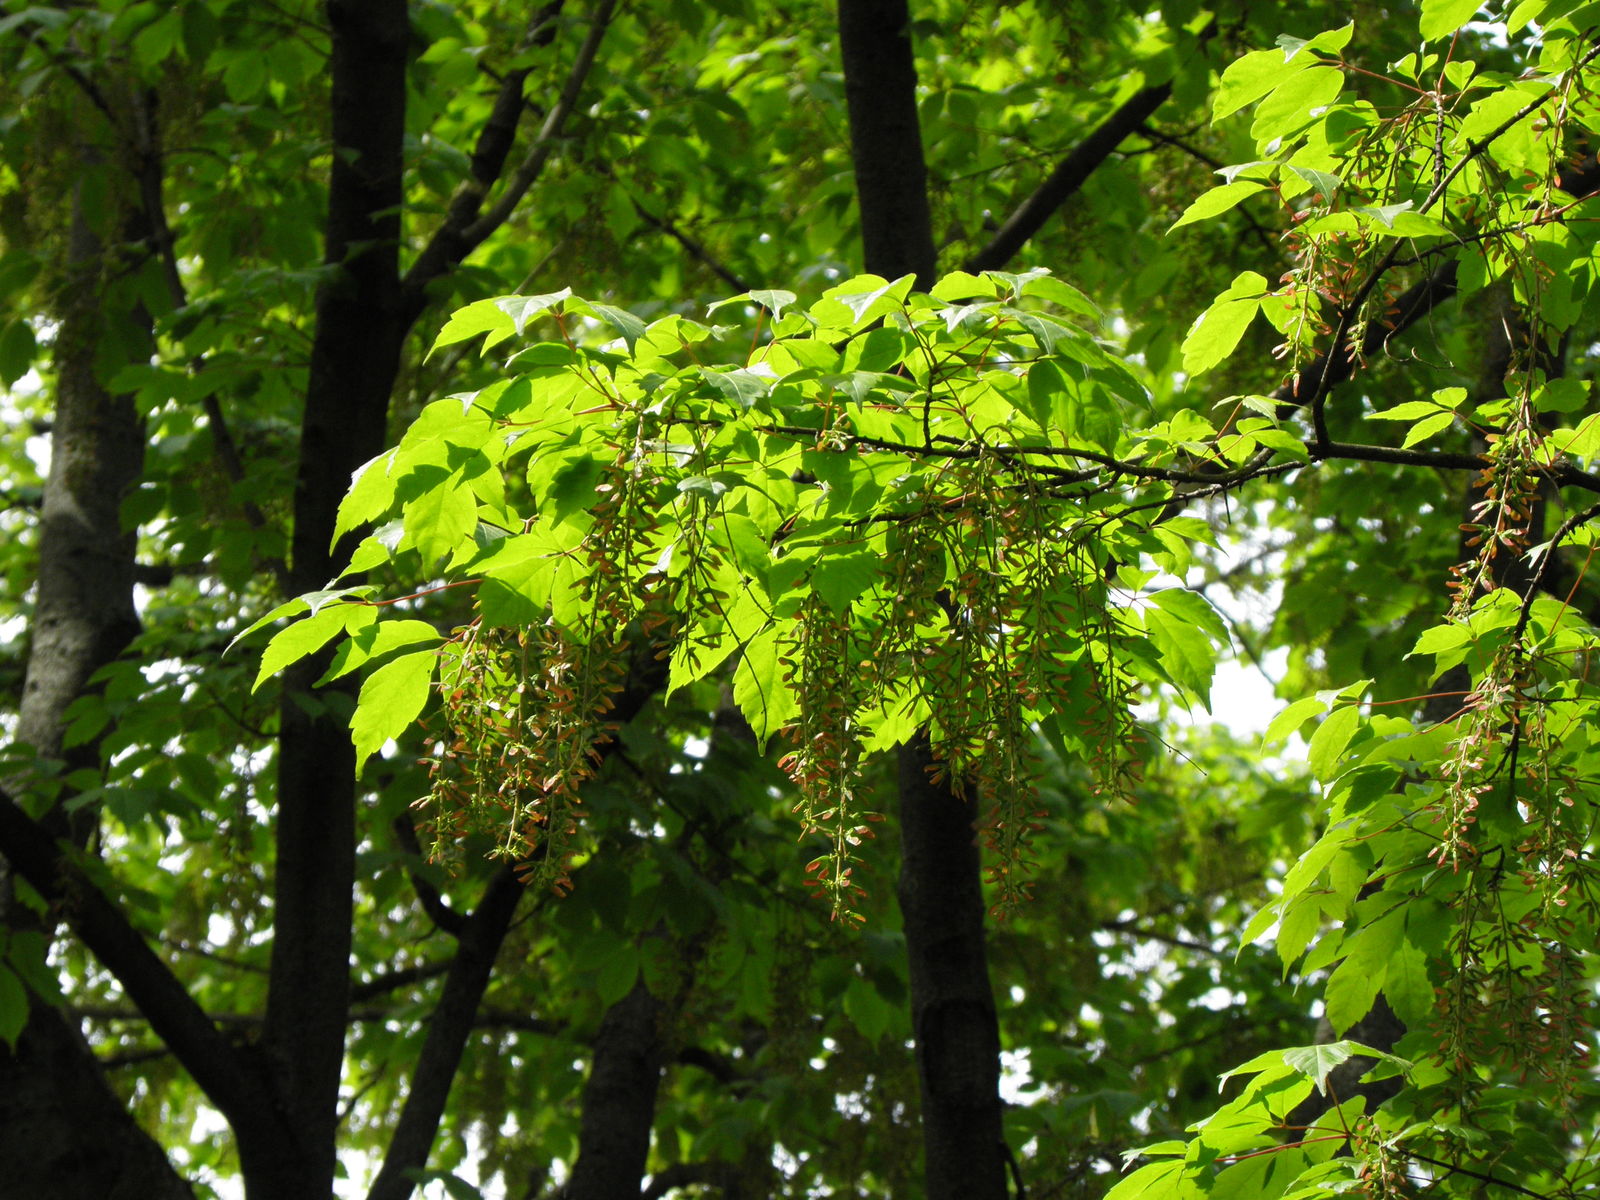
x=637, y=600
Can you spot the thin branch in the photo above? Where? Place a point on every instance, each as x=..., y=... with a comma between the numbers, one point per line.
x=1349, y=311
x=1480, y=1176
x=1134, y=929
x=151, y=176
x=448, y=1029
x=381, y=985
x=1068, y=177
x=456, y=1014
x=692, y=245
x=434, y=904
x=31, y=31
x=488, y=161
x=1166, y=139
x=1536, y=585
x=464, y=229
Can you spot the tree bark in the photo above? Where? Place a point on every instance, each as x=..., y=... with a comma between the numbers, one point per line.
x=941, y=889
x=355, y=356
x=64, y=1135
x=880, y=87
x=63, y=1132
x=619, y=1101
x=952, y=1005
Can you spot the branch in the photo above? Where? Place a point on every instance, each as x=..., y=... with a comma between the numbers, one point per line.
x=151, y=179
x=1536, y=585
x=214, y=1063
x=464, y=229
x=1068, y=177
x=434, y=904
x=715, y=1174
x=31, y=31
x=1262, y=233
x=380, y=985
x=456, y=1014
x=448, y=1029
x=1134, y=929
x=692, y=245
x=1349, y=312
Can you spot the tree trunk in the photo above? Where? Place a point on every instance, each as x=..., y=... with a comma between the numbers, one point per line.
x=952, y=1005
x=355, y=357
x=941, y=889
x=619, y=1101
x=880, y=87
x=63, y=1132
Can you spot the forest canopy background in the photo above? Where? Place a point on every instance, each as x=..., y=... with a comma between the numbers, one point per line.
x=708, y=613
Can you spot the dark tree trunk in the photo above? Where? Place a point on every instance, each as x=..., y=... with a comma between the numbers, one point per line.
x=83, y=614
x=619, y=1101
x=880, y=87
x=448, y=1030
x=63, y=1133
x=354, y=360
x=952, y=1005
x=941, y=891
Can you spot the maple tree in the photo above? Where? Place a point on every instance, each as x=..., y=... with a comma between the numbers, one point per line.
x=638, y=638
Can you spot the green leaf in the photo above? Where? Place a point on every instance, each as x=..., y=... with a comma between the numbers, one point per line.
x=522, y=309
x=371, y=492
x=1048, y=393
x=486, y=316
x=1329, y=741
x=1257, y=74
x=1291, y=105
x=959, y=285
x=1187, y=655
x=1427, y=427
x=17, y=349
x=1442, y=17
x=13, y=1006
x=840, y=578
x=629, y=326
x=1406, y=985
x=375, y=640
x=1218, y=200
x=1215, y=335
x=1581, y=441
x=744, y=387
x=441, y=519
x=302, y=638
x=1316, y=1062
x=1322, y=182
x=868, y=1011
x=1351, y=991
x=1291, y=718
x=861, y=299
x=573, y=487
x=390, y=701
x=1193, y=609
x=1166, y=1180
x=774, y=300
x=617, y=975
x=760, y=688
x=311, y=602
